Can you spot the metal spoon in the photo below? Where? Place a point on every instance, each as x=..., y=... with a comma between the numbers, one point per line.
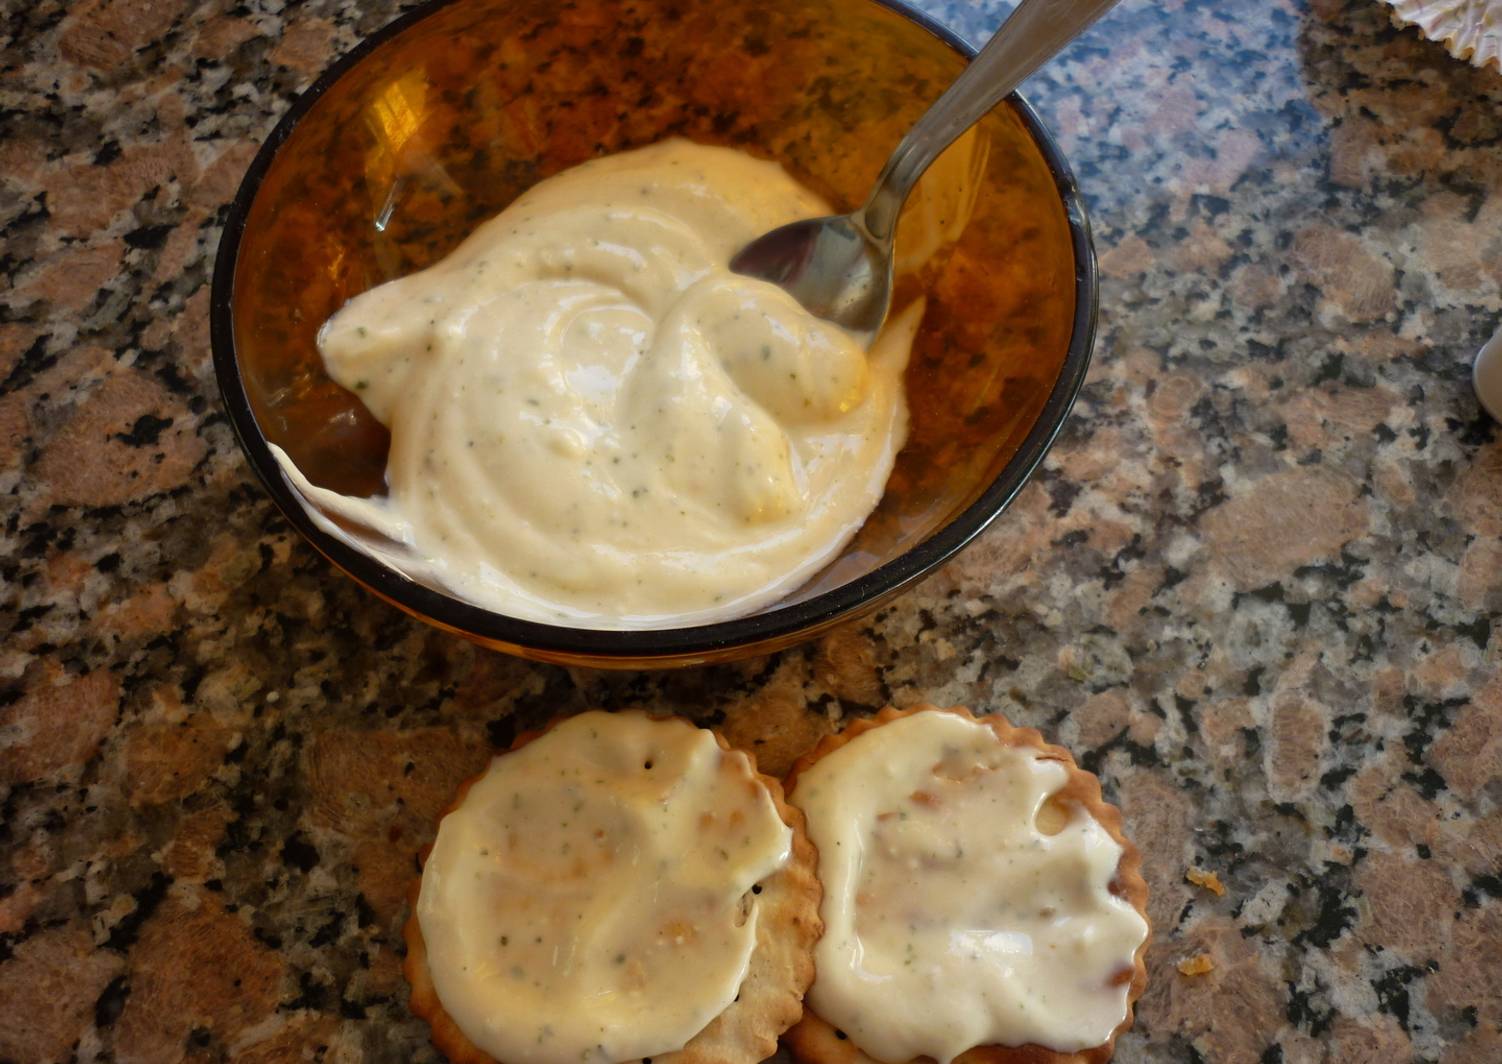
x=840, y=267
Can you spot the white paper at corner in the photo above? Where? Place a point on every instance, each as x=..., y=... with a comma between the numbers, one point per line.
x=1468, y=29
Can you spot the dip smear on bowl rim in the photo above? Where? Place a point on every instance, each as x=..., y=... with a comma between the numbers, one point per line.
x=980, y=901
x=671, y=886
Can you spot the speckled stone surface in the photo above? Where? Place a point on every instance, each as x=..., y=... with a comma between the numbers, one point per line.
x=1258, y=587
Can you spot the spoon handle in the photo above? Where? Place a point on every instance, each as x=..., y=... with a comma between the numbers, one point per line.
x=1031, y=36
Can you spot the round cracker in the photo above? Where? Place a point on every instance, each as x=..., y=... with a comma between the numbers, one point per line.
x=771, y=996
x=813, y=1040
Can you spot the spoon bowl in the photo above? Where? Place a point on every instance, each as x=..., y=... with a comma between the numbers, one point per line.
x=831, y=265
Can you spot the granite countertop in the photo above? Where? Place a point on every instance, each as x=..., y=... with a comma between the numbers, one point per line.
x=1257, y=587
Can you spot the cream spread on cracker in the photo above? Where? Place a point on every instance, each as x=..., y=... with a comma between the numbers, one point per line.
x=589, y=899
x=961, y=907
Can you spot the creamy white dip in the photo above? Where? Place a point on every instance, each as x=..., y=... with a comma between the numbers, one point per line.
x=593, y=421
x=952, y=919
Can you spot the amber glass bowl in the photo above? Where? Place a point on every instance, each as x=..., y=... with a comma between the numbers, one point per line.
x=438, y=121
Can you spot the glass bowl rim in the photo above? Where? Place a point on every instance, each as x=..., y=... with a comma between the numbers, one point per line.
x=778, y=624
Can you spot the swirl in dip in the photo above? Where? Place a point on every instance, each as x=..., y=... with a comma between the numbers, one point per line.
x=593, y=421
